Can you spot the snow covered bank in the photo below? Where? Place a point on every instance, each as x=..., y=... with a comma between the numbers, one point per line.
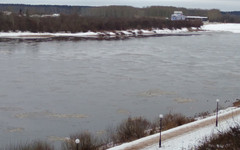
x=189, y=139
x=217, y=27
x=95, y=35
x=31, y=35
x=222, y=27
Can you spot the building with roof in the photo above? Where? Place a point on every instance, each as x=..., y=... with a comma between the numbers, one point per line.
x=178, y=15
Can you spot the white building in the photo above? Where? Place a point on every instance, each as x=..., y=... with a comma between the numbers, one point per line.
x=178, y=15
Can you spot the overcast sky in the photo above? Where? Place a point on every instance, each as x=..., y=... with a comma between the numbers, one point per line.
x=224, y=5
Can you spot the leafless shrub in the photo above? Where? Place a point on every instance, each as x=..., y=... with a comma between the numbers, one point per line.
x=202, y=114
x=130, y=129
x=236, y=103
x=87, y=142
x=173, y=120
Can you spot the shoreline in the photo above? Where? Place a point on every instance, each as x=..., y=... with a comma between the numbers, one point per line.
x=105, y=35
x=72, y=38
x=118, y=34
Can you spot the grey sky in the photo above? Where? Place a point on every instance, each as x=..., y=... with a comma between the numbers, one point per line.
x=225, y=5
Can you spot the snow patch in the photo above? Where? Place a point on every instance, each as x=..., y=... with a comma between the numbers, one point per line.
x=217, y=27
x=89, y=33
x=222, y=27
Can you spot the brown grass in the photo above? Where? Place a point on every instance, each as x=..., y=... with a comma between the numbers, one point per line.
x=173, y=120
x=236, y=103
x=87, y=142
x=223, y=141
x=130, y=129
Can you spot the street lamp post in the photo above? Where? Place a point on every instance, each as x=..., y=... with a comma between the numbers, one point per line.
x=217, y=113
x=77, y=141
x=160, y=138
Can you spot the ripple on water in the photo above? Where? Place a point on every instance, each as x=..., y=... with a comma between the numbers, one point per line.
x=155, y=92
x=123, y=111
x=18, y=129
x=10, y=108
x=48, y=115
x=184, y=100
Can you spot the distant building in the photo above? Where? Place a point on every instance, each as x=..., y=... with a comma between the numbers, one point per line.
x=178, y=15
x=197, y=18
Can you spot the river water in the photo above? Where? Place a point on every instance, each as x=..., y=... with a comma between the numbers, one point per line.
x=49, y=90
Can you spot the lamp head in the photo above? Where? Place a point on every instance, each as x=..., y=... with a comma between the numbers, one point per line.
x=77, y=141
x=161, y=116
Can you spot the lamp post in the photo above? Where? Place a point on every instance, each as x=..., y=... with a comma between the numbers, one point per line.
x=77, y=141
x=217, y=113
x=160, y=129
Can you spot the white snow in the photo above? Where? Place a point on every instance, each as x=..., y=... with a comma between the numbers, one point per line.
x=216, y=27
x=191, y=139
x=45, y=35
x=79, y=34
x=31, y=35
x=222, y=27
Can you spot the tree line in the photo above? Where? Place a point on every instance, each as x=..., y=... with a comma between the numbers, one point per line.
x=214, y=15
x=43, y=9
x=76, y=23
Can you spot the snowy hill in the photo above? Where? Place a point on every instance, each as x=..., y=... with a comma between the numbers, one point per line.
x=186, y=136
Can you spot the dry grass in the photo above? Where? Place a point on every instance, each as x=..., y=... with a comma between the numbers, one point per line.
x=130, y=129
x=135, y=128
x=223, y=141
x=236, y=103
x=202, y=114
x=173, y=120
x=87, y=142
x=169, y=121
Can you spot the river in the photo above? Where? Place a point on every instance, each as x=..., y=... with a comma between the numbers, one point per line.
x=49, y=90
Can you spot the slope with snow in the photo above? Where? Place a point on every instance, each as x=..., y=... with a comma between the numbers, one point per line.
x=191, y=139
